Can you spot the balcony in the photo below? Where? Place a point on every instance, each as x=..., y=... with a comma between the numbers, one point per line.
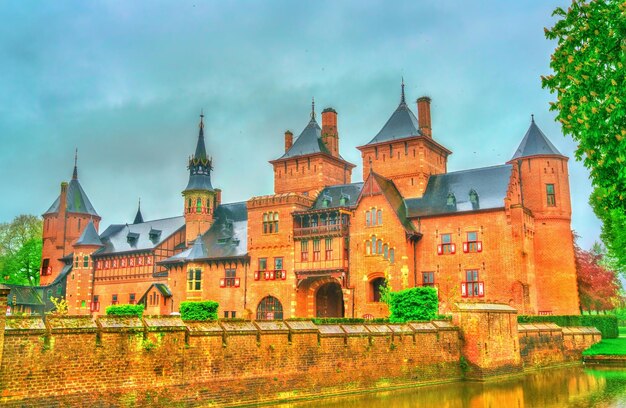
x=320, y=230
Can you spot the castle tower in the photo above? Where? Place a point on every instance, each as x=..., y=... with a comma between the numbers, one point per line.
x=312, y=161
x=545, y=192
x=404, y=149
x=200, y=198
x=79, y=287
x=63, y=223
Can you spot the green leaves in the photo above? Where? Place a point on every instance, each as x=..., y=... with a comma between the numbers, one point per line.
x=589, y=80
x=419, y=303
x=199, y=311
x=20, y=250
x=125, y=310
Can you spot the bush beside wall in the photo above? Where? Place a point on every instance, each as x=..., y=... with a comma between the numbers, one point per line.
x=413, y=304
x=606, y=324
x=125, y=310
x=201, y=311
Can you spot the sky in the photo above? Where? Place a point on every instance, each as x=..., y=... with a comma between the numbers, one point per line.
x=124, y=83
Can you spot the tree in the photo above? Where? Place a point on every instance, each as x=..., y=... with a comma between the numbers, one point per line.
x=590, y=85
x=20, y=250
x=598, y=287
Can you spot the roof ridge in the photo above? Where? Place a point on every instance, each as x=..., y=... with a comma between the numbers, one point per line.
x=473, y=169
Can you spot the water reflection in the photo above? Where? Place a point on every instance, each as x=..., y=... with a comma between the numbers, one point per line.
x=562, y=387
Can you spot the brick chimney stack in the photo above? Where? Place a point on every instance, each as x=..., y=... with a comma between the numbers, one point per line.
x=330, y=136
x=423, y=116
x=288, y=140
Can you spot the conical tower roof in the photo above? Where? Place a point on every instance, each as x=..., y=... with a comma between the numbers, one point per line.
x=138, y=216
x=310, y=140
x=535, y=143
x=77, y=200
x=200, y=165
x=89, y=236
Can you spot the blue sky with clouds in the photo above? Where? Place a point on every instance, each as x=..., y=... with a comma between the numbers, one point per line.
x=124, y=83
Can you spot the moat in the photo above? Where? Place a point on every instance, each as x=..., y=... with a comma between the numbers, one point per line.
x=557, y=387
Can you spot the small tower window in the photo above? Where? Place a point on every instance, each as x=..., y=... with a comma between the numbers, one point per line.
x=198, y=205
x=373, y=244
x=189, y=205
x=551, y=199
x=451, y=200
x=473, y=196
x=379, y=217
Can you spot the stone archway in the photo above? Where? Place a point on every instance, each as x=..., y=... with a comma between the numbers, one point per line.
x=329, y=300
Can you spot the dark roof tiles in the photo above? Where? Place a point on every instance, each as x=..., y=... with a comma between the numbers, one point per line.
x=535, y=143
x=77, y=201
x=334, y=194
x=89, y=236
x=401, y=124
x=309, y=142
x=137, y=237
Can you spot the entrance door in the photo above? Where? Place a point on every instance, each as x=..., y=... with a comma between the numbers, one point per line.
x=329, y=300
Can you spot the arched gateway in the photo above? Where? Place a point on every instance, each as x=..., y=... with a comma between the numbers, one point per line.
x=329, y=301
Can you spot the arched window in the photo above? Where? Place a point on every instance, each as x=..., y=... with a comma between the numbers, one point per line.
x=367, y=219
x=392, y=255
x=379, y=217
x=189, y=205
x=376, y=286
x=373, y=244
x=198, y=205
x=379, y=248
x=368, y=248
x=208, y=206
x=451, y=200
x=342, y=200
x=269, y=308
x=385, y=251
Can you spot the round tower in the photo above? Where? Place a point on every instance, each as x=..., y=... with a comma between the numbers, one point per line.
x=545, y=192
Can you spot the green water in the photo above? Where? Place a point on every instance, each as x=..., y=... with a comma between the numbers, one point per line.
x=556, y=387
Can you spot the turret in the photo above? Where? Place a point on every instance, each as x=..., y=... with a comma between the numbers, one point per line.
x=79, y=288
x=544, y=182
x=200, y=198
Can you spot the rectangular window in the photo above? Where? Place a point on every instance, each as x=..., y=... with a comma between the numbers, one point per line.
x=472, y=244
x=428, y=279
x=85, y=261
x=551, y=199
x=225, y=314
x=230, y=278
x=304, y=250
x=446, y=246
x=233, y=314
x=278, y=264
x=194, y=279
x=95, y=305
x=328, y=248
x=472, y=287
x=131, y=299
x=114, y=299
x=316, y=250
x=45, y=267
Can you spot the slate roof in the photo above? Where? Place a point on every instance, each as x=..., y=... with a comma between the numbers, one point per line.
x=489, y=183
x=334, y=194
x=116, y=237
x=400, y=125
x=534, y=143
x=89, y=236
x=309, y=142
x=227, y=237
x=390, y=191
x=77, y=200
x=24, y=295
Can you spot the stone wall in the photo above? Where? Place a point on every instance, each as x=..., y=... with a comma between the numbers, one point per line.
x=121, y=361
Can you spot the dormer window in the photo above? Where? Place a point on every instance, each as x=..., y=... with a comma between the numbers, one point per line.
x=451, y=200
x=344, y=199
x=326, y=201
x=132, y=238
x=473, y=196
x=154, y=235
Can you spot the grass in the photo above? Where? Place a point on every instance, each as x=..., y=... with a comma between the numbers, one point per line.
x=611, y=347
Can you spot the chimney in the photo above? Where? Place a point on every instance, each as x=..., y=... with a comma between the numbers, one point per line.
x=218, y=198
x=330, y=136
x=423, y=116
x=288, y=140
x=61, y=218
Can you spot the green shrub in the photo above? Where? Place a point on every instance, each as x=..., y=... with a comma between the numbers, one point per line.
x=607, y=324
x=411, y=304
x=206, y=310
x=125, y=310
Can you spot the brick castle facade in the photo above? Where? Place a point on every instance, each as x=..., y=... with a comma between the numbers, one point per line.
x=322, y=245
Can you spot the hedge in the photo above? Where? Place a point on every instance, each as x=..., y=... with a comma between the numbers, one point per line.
x=606, y=324
x=345, y=320
x=412, y=304
x=125, y=310
x=206, y=310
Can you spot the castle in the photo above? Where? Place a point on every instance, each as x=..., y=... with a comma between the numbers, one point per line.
x=324, y=246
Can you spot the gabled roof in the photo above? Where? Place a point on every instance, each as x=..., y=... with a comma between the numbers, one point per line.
x=25, y=295
x=309, y=142
x=400, y=125
x=334, y=194
x=136, y=237
x=450, y=192
x=89, y=236
x=163, y=289
x=227, y=237
x=535, y=143
x=393, y=196
x=77, y=201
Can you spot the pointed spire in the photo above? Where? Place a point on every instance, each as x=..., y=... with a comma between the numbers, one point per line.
x=535, y=143
x=200, y=149
x=138, y=216
x=313, y=108
x=532, y=118
x=402, y=100
x=75, y=174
